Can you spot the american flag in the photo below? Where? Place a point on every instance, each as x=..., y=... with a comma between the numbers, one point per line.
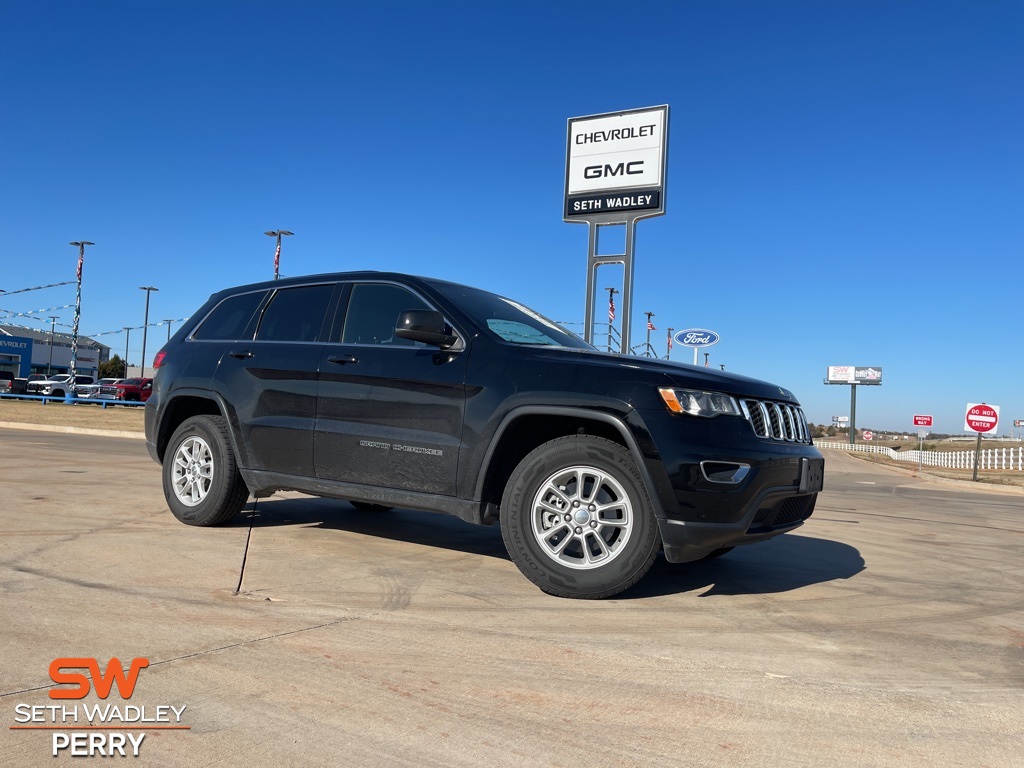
x=670, y=342
x=277, y=257
x=611, y=309
x=650, y=326
x=79, y=272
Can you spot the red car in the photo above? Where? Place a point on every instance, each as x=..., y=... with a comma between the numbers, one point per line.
x=134, y=389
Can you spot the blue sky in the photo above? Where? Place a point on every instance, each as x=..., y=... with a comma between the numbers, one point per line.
x=845, y=179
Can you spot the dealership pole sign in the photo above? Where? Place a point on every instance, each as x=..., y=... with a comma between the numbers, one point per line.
x=615, y=168
x=615, y=163
x=696, y=338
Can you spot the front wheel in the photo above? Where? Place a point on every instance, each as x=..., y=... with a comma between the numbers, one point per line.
x=201, y=480
x=577, y=520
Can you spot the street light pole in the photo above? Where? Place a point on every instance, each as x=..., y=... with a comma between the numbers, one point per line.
x=148, y=289
x=80, y=244
x=49, y=363
x=168, y=328
x=277, y=254
x=127, y=337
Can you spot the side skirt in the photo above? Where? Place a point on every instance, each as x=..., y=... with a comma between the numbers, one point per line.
x=262, y=484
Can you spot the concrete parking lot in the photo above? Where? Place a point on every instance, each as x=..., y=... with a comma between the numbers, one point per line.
x=888, y=631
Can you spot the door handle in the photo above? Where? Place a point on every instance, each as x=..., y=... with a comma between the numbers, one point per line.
x=342, y=359
x=245, y=354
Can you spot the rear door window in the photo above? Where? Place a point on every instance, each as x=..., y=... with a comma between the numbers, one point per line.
x=296, y=314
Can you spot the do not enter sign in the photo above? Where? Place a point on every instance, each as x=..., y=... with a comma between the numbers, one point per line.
x=981, y=418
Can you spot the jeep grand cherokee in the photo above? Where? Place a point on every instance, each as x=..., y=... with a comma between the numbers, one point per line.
x=389, y=390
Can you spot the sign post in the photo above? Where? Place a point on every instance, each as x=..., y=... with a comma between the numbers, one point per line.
x=921, y=421
x=615, y=175
x=981, y=418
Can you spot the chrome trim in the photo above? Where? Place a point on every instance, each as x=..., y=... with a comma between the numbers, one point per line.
x=738, y=475
x=776, y=421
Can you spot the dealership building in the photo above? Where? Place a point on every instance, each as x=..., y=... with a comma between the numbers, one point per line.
x=25, y=350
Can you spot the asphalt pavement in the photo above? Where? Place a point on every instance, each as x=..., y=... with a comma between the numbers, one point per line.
x=888, y=631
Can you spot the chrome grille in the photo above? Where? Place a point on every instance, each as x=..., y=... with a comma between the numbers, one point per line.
x=776, y=421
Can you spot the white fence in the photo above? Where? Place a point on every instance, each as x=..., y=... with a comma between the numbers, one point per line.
x=991, y=458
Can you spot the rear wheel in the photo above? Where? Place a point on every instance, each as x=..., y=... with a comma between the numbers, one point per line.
x=577, y=520
x=201, y=480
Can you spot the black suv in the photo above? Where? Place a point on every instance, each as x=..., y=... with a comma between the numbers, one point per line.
x=395, y=391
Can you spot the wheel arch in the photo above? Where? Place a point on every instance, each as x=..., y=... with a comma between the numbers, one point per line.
x=188, y=403
x=527, y=427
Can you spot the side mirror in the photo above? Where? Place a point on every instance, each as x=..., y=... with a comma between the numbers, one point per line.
x=426, y=326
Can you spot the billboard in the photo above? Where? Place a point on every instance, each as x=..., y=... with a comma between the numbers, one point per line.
x=615, y=163
x=853, y=374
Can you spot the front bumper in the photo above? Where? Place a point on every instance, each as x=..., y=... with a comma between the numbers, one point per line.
x=720, y=485
x=774, y=512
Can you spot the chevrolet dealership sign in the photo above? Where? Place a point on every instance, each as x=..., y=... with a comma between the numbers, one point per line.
x=615, y=163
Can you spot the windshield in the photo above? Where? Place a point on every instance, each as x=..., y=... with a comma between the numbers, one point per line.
x=509, y=320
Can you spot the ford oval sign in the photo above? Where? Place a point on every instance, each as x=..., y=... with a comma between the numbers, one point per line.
x=696, y=337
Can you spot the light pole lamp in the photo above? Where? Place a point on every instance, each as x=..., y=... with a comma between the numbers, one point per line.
x=168, y=328
x=80, y=244
x=277, y=253
x=148, y=289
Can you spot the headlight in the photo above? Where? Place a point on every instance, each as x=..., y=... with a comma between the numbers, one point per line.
x=697, y=403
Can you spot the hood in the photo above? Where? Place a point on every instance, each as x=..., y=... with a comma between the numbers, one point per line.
x=673, y=373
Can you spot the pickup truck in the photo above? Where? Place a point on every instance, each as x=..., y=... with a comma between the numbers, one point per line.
x=134, y=390
x=57, y=386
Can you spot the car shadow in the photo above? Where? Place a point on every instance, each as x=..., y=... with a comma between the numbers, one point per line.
x=425, y=528
x=783, y=564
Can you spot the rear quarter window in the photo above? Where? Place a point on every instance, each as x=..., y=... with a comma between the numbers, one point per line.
x=227, y=321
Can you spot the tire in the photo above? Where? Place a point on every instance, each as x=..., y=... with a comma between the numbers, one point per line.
x=577, y=519
x=364, y=506
x=201, y=480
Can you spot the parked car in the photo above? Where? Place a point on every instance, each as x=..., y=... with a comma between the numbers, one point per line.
x=104, y=389
x=134, y=390
x=57, y=386
x=388, y=390
x=20, y=385
x=6, y=382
